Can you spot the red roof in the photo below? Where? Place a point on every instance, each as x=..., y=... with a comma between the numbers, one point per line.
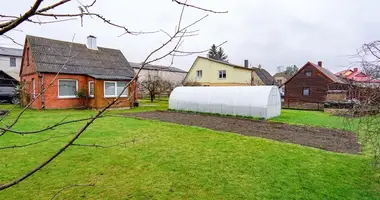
x=356, y=75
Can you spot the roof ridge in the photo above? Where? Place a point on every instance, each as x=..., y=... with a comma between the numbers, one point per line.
x=64, y=41
x=227, y=63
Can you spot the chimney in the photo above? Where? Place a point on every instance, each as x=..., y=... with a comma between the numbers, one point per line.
x=246, y=63
x=320, y=63
x=91, y=42
x=355, y=69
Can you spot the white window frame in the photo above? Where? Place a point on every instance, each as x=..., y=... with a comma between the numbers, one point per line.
x=199, y=72
x=76, y=88
x=308, y=72
x=89, y=83
x=115, y=83
x=219, y=72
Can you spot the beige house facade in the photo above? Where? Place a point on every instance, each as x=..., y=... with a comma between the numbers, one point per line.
x=210, y=72
x=281, y=78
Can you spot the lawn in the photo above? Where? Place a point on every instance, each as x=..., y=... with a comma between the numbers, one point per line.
x=169, y=161
x=315, y=118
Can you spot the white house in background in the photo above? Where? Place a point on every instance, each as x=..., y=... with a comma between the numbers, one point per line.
x=10, y=61
x=172, y=74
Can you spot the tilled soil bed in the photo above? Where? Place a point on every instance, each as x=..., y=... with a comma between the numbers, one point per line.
x=322, y=138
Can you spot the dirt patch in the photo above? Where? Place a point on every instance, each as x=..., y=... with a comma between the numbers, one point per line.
x=322, y=138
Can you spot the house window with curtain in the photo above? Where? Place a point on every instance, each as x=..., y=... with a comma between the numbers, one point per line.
x=67, y=88
x=115, y=88
x=91, y=89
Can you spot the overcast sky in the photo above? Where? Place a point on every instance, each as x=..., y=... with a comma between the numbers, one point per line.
x=266, y=32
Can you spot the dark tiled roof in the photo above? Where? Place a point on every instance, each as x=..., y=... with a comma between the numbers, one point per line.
x=10, y=52
x=282, y=74
x=157, y=67
x=265, y=76
x=50, y=56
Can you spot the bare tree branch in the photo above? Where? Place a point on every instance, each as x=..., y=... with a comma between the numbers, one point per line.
x=14, y=23
x=33, y=143
x=71, y=186
x=197, y=7
x=105, y=146
x=52, y=127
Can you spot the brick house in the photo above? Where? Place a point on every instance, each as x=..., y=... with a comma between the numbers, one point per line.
x=87, y=76
x=309, y=86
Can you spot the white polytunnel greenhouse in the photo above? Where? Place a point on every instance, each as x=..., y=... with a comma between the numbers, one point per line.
x=254, y=101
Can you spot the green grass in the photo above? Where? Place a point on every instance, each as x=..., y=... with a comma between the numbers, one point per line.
x=315, y=118
x=170, y=161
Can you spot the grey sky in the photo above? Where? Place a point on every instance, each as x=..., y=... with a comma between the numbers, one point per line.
x=267, y=32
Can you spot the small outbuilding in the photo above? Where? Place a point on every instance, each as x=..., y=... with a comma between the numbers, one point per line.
x=253, y=101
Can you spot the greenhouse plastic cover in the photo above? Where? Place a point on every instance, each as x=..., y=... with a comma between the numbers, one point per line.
x=254, y=101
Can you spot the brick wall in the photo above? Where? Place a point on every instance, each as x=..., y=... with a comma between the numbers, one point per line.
x=52, y=101
x=27, y=92
x=102, y=101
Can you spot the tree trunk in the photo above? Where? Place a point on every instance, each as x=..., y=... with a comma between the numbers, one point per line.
x=151, y=97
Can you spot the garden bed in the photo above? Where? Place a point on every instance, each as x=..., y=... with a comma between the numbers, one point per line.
x=322, y=138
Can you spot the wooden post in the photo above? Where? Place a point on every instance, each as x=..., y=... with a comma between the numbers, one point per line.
x=318, y=105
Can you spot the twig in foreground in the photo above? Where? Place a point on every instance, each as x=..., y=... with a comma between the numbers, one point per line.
x=71, y=186
x=105, y=147
x=34, y=143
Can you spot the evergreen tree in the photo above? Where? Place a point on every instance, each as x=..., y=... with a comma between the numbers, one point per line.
x=221, y=55
x=217, y=54
x=212, y=53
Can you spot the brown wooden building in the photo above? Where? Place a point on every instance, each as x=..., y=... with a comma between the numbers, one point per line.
x=74, y=75
x=310, y=85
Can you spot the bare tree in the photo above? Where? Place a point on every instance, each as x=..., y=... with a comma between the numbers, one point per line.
x=366, y=92
x=173, y=43
x=153, y=84
x=191, y=83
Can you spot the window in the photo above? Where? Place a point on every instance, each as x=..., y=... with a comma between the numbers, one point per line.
x=222, y=74
x=279, y=81
x=27, y=56
x=199, y=73
x=308, y=73
x=33, y=88
x=67, y=88
x=306, y=91
x=12, y=61
x=91, y=90
x=114, y=88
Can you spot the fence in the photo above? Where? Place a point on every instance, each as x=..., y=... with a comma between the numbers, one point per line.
x=157, y=96
x=303, y=105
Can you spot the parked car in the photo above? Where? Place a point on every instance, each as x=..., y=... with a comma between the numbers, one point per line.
x=9, y=94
